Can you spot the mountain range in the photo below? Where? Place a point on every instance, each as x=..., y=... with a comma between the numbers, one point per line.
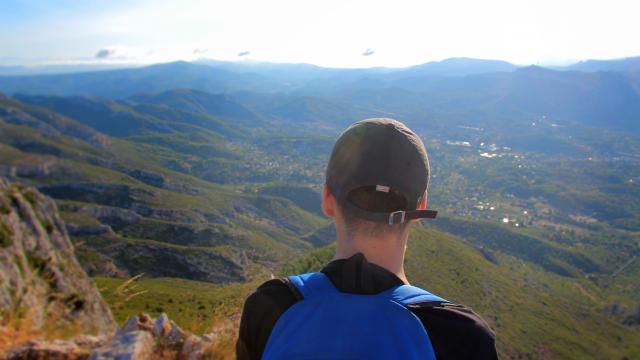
x=490, y=92
x=210, y=173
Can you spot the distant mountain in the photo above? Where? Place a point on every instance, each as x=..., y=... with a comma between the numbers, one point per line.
x=292, y=74
x=199, y=102
x=119, y=84
x=493, y=100
x=458, y=67
x=214, y=77
x=631, y=64
x=596, y=99
x=122, y=119
x=317, y=111
x=493, y=93
x=13, y=70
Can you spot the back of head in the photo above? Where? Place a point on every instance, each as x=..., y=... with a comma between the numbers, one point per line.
x=378, y=174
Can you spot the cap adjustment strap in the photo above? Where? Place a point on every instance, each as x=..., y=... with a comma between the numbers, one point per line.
x=392, y=217
x=396, y=217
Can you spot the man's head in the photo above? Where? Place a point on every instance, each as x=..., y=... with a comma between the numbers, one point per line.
x=377, y=178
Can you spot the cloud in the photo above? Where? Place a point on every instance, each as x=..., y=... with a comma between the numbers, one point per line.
x=368, y=52
x=244, y=53
x=105, y=53
x=199, y=51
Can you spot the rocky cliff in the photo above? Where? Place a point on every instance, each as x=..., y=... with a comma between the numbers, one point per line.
x=40, y=278
x=50, y=308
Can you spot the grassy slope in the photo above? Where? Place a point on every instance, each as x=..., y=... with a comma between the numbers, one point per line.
x=195, y=306
x=263, y=227
x=535, y=314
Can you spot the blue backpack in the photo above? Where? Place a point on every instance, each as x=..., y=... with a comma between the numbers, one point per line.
x=329, y=324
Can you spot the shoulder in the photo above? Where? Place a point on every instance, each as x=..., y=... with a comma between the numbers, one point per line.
x=261, y=311
x=456, y=331
x=272, y=297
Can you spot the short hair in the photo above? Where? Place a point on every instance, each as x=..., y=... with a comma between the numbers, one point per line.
x=369, y=199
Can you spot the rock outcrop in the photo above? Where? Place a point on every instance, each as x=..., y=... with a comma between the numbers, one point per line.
x=42, y=285
x=40, y=278
x=141, y=338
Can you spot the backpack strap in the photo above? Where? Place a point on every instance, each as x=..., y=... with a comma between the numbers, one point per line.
x=316, y=283
x=312, y=284
x=408, y=295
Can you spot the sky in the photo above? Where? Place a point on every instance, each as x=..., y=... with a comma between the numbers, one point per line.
x=335, y=33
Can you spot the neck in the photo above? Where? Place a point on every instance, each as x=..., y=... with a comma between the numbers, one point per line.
x=387, y=252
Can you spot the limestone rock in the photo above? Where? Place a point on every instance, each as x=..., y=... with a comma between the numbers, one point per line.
x=39, y=273
x=129, y=326
x=193, y=348
x=89, y=341
x=134, y=345
x=161, y=326
x=140, y=322
x=176, y=334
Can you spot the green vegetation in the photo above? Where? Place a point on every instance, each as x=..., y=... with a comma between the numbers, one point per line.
x=541, y=210
x=194, y=306
x=535, y=314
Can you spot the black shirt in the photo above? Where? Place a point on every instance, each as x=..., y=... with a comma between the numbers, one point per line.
x=456, y=332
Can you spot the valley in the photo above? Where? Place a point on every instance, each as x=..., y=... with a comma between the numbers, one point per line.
x=206, y=177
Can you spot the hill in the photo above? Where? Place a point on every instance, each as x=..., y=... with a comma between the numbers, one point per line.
x=458, y=67
x=199, y=102
x=122, y=83
x=130, y=212
x=534, y=313
x=534, y=171
x=493, y=93
x=626, y=65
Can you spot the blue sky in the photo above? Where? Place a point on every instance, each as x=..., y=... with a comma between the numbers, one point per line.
x=339, y=33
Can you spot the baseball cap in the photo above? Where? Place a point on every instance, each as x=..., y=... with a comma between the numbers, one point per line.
x=384, y=154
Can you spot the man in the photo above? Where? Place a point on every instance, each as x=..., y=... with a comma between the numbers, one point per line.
x=360, y=305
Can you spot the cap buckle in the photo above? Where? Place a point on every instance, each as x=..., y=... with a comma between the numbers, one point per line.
x=392, y=217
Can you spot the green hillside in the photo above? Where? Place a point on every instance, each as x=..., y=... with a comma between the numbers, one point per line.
x=535, y=314
x=212, y=194
x=141, y=203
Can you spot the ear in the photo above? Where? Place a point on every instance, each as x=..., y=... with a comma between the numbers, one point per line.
x=328, y=202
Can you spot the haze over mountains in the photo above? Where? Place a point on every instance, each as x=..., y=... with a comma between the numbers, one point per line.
x=605, y=94
x=211, y=171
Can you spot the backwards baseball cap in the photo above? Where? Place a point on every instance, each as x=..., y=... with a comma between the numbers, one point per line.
x=383, y=154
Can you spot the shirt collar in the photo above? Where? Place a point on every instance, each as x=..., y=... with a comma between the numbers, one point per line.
x=358, y=276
